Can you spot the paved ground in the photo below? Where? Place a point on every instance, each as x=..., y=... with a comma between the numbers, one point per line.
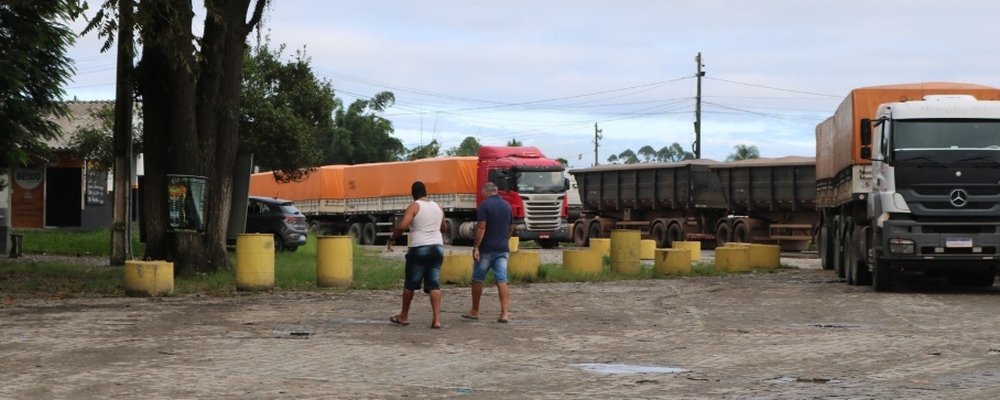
x=793, y=334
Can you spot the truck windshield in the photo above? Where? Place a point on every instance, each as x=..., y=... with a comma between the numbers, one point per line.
x=539, y=182
x=947, y=135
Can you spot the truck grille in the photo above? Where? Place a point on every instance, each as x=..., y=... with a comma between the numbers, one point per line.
x=542, y=212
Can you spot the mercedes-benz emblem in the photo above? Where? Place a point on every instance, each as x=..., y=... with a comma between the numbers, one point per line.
x=959, y=198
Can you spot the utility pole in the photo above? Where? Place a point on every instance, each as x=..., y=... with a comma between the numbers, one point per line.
x=597, y=137
x=121, y=232
x=697, y=110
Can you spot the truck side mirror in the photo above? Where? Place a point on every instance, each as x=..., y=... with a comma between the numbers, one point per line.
x=866, y=153
x=866, y=133
x=565, y=184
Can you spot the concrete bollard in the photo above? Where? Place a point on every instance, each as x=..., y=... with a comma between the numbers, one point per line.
x=254, y=261
x=456, y=267
x=765, y=256
x=602, y=245
x=523, y=264
x=625, y=251
x=149, y=278
x=693, y=247
x=647, y=249
x=732, y=258
x=334, y=261
x=514, y=243
x=672, y=261
x=584, y=261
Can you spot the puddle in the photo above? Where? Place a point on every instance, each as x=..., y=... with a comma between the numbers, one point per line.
x=627, y=369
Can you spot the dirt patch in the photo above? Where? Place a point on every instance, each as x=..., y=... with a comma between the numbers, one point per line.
x=795, y=333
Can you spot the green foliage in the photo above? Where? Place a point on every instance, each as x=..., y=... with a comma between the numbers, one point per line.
x=33, y=43
x=95, y=143
x=286, y=111
x=673, y=153
x=362, y=136
x=514, y=143
x=72, y=243
x=628, y=157
x=429, y=150
x=469, y=147
x=743, y=152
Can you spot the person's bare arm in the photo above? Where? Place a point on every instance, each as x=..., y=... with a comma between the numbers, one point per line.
x=480, y=232
x=444, y=225
x=411, y=211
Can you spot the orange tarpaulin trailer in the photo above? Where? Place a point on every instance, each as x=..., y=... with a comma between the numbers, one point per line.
x=326, y=182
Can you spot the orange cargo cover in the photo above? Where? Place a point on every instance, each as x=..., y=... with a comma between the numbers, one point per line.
x=444, y=175
x=835, y=151
x=326, y=182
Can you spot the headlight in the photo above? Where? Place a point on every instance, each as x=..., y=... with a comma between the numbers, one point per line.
x=901, y=246
x=520, y=227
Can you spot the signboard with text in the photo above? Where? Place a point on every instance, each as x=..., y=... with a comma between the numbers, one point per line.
x=186, y=203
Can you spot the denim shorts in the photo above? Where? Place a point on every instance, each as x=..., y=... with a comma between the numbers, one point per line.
x=491, y=261
x=423, y=265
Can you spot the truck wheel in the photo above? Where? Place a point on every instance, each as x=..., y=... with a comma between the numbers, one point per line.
x=838, y=248
x=741, y=234
x=722, y=234
x=674, y=234
x=355, y=232
x=580, y=238
x=368, y=235
x=825, y=255
x=452, y=234
x=595, y=230
x=881, y=275
x=850, y=261
x=659, y=234
x=862, y=275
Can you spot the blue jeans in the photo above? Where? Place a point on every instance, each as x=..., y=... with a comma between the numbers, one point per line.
x=491, y=261
x=423, y=264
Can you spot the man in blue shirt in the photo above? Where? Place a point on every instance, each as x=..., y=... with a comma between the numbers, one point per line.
x=491, y=249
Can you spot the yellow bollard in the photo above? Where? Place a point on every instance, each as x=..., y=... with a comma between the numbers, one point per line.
x=334, y=261
x=732, y=258
x=625, y=251
x=456, y=267
x=514, y=243
x=602, y=245
x=149, y=278
x=765, y=256
x=523, y=264
x=672, y=261
x=692, y=246
x=646, y=249
x=254, y=261
x=584, y=261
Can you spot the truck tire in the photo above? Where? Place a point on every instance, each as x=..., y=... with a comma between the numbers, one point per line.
x=674, y=234
x=452, y=235
x=659, y=234
x=595, y=231
x=838, y=248
x=722, y=234
x=862, y=275
x=850, y=261
x=881, y=275
x=825, y=253
x=741, y=234
x=580, y=238
x=368, y=234
x=355, y=232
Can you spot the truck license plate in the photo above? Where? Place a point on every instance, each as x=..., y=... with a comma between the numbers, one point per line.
x=957, y=242
x=547, y=236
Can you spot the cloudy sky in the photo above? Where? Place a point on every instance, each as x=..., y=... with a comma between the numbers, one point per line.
x=545, y=72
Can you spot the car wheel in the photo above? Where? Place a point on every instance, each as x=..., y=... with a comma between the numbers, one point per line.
x=278, y=244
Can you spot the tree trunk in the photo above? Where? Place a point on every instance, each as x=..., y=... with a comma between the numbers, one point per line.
x=191, y=119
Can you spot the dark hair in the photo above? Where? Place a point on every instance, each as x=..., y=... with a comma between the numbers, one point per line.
x=418, y=190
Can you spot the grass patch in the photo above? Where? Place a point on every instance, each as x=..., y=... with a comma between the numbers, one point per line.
x=293, y=271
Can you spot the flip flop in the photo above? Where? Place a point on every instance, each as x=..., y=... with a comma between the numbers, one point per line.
x=467, y=316
x=502, y=320
x=395, y=319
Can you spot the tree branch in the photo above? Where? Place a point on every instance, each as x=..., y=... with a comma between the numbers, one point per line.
x=258, y=13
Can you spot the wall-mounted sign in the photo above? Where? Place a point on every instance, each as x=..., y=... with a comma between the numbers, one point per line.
x=97, y=186
x=28, y=178
x=186, y=203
